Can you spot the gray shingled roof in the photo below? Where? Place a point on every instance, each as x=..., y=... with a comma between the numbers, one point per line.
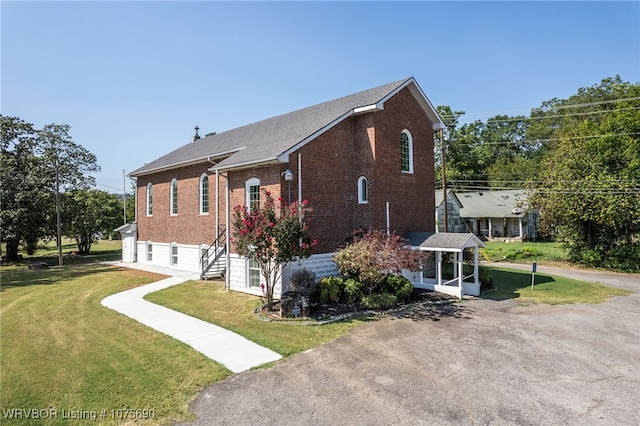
x=268, y=139
x=492, y=203
x=451, y=241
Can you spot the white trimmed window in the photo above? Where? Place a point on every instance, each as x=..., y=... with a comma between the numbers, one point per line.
x=174, y=254
x=253, y=273
x=149, y=199
x=406, y=151
x=149, y=252
x=204, y=194
x=363, y=190
x=174, y=196
x=252, y=191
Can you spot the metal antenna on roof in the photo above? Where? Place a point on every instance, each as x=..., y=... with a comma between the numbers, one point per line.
x=196, y=136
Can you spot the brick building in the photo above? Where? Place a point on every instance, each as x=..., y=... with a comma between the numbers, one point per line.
x=362, y=161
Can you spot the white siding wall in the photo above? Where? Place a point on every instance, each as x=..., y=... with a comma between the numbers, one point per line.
x=188, y=256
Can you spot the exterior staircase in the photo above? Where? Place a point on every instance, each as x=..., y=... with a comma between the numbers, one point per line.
x=212, y=259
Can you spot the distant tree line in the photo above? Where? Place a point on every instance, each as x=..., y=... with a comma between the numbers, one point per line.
x=41, y=169
x=580, y=159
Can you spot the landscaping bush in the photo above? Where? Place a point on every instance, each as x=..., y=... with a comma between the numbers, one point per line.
x=396, y=285
x=380, y=301
x=486, y=279
x=330, y=289
x=303, y=282
x=353, y=290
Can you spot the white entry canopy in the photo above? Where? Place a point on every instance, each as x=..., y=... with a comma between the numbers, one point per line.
x=452, y=243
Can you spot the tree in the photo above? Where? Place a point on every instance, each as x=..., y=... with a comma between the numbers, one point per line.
x=25, y=201
x=272, y=237
x=590, y=195
x=67, y=166
x=89, y=213
x=373, y=255
x=36, y=166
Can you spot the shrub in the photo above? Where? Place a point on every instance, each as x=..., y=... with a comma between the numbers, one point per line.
x=303, y=282
x=373, y=255
x=380, y=301
x=353, y=290
x=396, y=285
x=330, y=289
x=486, y=279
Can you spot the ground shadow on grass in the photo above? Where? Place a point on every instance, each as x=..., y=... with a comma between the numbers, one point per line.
x=24, y=277
x=506, y=283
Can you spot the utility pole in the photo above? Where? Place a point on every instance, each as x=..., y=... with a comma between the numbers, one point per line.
x=445, y=221
x=124, y=197
x=58, y=215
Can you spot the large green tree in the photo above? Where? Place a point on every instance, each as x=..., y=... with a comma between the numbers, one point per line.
x=89, y=214
x=589, y=193
x=25, y=201
x=36, y=166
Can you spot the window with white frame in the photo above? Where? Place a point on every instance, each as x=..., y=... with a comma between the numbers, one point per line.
x=149, y=252
x=204, y=194
x=174, y=196
x=204, y=258
x=253, y=273
x=174, y=254
x=252, y=191
x=149, y=199
x=406, y=151
x=363, y=190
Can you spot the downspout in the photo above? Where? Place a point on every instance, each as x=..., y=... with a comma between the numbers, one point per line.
x=299, y=178
x=227, y=281
x=135, y=218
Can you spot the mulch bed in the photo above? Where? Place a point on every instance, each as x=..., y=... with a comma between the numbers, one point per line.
x=424, y=305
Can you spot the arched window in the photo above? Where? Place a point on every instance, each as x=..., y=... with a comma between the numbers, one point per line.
x=252, y=191
x=149, y=199
x=363, y=190
x=406, y=151
x=174, y=196
x=204, y=194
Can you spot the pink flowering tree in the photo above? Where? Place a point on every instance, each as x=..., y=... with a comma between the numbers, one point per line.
x=272, y=236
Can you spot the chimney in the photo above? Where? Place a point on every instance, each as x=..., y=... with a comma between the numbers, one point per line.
x=196, y=136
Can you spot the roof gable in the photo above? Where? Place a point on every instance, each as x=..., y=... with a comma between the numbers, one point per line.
x=272, y=139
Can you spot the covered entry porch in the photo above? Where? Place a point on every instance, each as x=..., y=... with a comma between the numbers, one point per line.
x=431, y=275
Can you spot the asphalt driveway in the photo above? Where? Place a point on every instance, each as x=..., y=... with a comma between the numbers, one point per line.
x=485, y=363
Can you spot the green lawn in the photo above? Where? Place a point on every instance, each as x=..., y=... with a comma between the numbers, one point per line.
x=510, y=284
x=61, y=349
x=543, y=252
x=209, y=301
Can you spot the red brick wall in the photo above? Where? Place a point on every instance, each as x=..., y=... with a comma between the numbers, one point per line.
x=364, y=145
x=188, y=226
x=410, y=196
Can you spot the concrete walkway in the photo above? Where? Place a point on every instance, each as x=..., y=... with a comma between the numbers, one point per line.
x=221, y=345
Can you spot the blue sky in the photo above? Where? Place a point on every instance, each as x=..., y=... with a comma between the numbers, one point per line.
x=132, y=79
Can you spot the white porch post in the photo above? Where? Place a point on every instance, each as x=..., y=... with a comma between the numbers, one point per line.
x=490, y=230
x=520, y=228
x=460, y=272
x=455, y=265
x=439, y=267
x=476, y=274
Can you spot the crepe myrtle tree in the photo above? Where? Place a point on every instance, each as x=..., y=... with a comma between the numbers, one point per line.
x=272, y=236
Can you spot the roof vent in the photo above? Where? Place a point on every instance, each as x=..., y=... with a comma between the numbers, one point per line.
x=196, y=136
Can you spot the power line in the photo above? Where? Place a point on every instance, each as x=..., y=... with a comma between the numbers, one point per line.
x=479, y=143
x=549, y=108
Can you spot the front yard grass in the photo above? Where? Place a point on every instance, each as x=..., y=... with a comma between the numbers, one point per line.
x=61, y=349
x=543, y=252
x=510, y=284
x=208, y=301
